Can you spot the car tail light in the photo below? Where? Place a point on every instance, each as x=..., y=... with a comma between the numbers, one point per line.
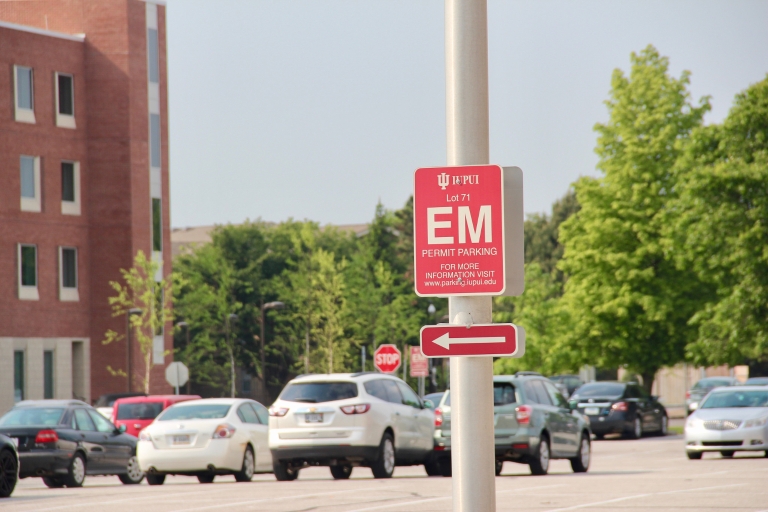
x=523, y=413
x=620, y=406
x=278, y=411
x=223, y=431
x=144, y=436
x=47, y=436
x=438, y=418
x=356, y=409
x=687, y=394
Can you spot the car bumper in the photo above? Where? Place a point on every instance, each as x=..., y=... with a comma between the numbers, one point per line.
x=324, y=455
x=610, y=424
x=44, y=463
x=703, y=440
x=218, y=454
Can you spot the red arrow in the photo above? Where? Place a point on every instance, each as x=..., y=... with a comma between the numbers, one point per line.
x=447, y=340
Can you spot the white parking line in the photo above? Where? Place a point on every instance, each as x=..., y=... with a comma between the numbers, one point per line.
x=80, y=503
x=625, y=498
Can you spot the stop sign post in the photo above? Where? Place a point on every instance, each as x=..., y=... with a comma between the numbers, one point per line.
x=387, y=358
x=177, y=374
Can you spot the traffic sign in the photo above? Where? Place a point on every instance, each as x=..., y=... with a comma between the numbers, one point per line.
x=177, y=374
x=419, y=363
x=460, y=217
x=386, y=358
x=446, y=340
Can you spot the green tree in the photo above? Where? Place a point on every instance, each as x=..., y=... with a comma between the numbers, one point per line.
x=140, y=290
x=718, y=226
x=628, y=302
x=542, y=234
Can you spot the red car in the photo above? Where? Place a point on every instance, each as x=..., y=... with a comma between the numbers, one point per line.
x=138, y=412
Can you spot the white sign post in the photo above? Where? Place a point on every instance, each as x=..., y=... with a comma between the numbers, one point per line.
x=177, y=374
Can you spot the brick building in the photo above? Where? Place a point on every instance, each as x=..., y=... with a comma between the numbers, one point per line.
x=83, y=187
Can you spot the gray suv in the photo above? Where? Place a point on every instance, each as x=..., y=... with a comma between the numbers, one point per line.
x=533, y=423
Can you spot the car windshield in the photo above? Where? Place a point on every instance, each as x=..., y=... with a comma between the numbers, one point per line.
x=316, y=392
x=757, y=381
x=601, y=389
x=142, y=411
x=736, y=398
x=195, y=412
x=21, y=417
x=711, y=383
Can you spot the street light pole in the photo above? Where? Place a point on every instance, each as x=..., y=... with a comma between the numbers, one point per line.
x=128, y=346
x=186, y=328
x=227, y=320
x=264, y=307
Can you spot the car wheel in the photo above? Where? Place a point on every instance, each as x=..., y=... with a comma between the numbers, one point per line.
x=384, y=465
x=341, y=472
x=446, y=467
x=539, y=464
x=499, y=466
x=53, y=482
x=9, y=471
x=76, y=475
x=432, y=468
x=664, y=430
x=134, y=475
x=727, y=454
x=155, y=479
x=599, y=437
x=694, y=455
x=249, y=463
x=283, y=472
x=205, y=478
x=636, y=432
x=580, y=463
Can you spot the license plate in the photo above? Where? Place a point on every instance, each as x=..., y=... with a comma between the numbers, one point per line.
x=314, y=418
x=592, y=411
x=181, y=439
x=15, y=441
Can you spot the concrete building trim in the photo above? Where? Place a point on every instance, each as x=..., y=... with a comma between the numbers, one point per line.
x=42, y=32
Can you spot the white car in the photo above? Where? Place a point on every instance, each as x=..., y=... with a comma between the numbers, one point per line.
x=346, y=420
x=205, y=438
x=728, y=420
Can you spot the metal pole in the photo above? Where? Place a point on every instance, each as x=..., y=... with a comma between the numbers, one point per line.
x=472, y=445
x=189, y=380
x=128, y=348
x=177, y=379
x=362, y=357
x=263, y=358
x=306, y=349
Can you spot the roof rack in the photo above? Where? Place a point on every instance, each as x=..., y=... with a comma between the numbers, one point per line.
x=527, y=374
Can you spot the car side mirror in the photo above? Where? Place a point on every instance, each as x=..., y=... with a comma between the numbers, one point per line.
x=573, y=404
x=429, y=404
x=122, y=428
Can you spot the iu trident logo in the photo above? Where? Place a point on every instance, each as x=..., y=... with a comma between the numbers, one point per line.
x=443, y=180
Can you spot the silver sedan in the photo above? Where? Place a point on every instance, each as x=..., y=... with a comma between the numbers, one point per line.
x=729, y=420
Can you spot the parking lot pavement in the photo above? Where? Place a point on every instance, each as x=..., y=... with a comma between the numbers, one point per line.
x=651, y=474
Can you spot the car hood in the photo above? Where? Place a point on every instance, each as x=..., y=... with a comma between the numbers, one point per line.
x=731, y=413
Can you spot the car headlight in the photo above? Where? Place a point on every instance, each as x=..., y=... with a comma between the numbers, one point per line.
x=144, y=436
x=756, y=422
x=694, y=423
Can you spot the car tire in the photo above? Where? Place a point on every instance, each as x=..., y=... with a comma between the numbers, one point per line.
x=9, y=471
x=694, y=455
x=727, y=454
x=205, y=478
x=599, y=437
x=499, y=465
x=446, y=467
x=247, y=469
x=134, y=475
x=432, y=468
x=155, y=479
x=53, y=482
x=341, y=472
x=636, y=431
x=384, y=465
x=283, y=472
x=76, y=474
x=664, y=429
x=580, y=463
x=539, y=463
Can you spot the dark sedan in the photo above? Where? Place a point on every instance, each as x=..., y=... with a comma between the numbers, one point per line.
x=9, y=466
x=62, y=441
x=620, y=408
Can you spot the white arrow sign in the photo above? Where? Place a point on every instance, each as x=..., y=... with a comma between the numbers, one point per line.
x=445, y=340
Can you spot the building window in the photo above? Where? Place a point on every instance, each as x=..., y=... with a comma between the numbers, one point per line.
x=68, y=290
x=48, y=374
x=154, y=140
x=18, y=375
x=70, y=188
x=153, y=56
x=157, y=225
x=25, y=94
x=29, y=167
x=65, y=100
x=28, y=272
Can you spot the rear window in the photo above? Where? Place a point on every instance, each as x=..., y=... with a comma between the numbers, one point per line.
x=48, y=416
x=600, y=389
x=711, y=383
x=195, y=412
x=736, y=398
x=316, y=392
x=503, y=393
x=142, y=411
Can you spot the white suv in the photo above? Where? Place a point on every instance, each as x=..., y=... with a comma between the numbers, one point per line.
x=343, y=420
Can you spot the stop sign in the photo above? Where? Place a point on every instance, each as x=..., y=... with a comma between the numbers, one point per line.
x=386, y=359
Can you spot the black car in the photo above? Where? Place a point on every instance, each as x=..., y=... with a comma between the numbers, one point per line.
x=62, y=441
x=620, y=408
x=9, y=466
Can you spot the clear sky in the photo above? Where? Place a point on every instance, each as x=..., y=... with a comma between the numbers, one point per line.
x=317, y=109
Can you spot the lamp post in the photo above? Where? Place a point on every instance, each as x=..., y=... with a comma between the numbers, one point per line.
x=264, y=307
x=431, y=310
x=128, y=347
x=230, y=318
x=185, y=325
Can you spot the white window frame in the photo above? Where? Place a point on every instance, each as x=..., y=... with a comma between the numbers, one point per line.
x=64, y=120
x=68, y=294
x=23, y=115
x=72, y=207
x=28, y=292
x=32, y=204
